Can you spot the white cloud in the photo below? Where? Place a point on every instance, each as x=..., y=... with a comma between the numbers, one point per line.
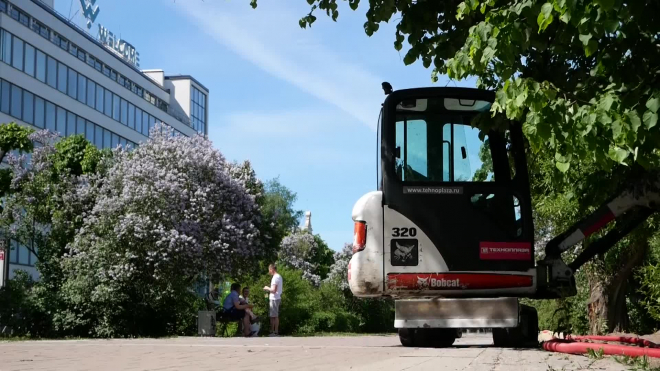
x=308, y=136
x=270, y=38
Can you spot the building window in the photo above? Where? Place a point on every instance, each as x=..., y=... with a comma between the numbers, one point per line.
x=108, y=103
x=3, y=6
x=82, y=88
x=6, y=47
x=62, y=77
x=50, y=117
x=145, y=123
x=198, y=110
x=89, y=132
x=91, y=93
x=115, y=107
x=4, y=97
x=51, y=72
x=98, y=136
x=61, y=121
x=20, y=16
x=28, y=107
x=131, y=116
x=70, y=124
x=73, y=84
x=41, y=66
x=13, y=252
x=16, y=101
x=42, y=30
x=29, y=59
x=39, y=112
x=23, y=255
x=80, y=127
x=124, y=112
x=17, y=55
x=99, y=98
x=61, y=42
x=107, y=139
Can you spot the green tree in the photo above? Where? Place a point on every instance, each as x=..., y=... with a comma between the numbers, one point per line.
x=278, y=205
x=280, y=218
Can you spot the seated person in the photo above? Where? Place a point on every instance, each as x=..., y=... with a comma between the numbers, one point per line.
x=244, y=300
x=213, y=299
x=237, y=311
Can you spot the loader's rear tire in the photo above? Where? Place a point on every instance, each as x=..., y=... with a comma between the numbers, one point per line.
x=407, y=337
x=427, y=337
x=525, y=335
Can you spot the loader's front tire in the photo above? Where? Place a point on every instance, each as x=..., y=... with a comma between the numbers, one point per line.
x=407, y=337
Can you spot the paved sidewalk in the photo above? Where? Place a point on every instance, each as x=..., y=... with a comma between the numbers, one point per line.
x=379, y=353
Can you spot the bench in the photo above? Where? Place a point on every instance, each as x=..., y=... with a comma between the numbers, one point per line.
x=223, y=320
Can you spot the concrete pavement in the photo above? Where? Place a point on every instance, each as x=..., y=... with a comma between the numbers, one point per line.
x=379, y=353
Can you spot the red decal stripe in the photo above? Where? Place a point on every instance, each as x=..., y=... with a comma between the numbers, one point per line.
x=599, y=224
x=505, y=250
x=455, y=281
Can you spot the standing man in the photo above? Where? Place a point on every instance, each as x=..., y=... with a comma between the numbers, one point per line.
x=275, y=297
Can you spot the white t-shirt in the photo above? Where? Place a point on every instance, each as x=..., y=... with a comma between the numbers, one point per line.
x=277, y=280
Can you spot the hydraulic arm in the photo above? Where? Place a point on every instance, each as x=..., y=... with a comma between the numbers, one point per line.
x=631, y=207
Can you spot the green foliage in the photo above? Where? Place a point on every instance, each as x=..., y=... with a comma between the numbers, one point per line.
x=14, y=137
x=323, y=257
x=279, y=218
x=304, y=309
x=278, y=206
x=75, y=155
x=650, y=285
x=22, y=308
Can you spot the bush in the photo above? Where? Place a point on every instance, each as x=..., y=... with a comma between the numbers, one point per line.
x=305, y=309
x=22, y=312
x=649, y=277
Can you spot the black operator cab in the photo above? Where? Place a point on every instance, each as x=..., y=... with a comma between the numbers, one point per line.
x=468, y=194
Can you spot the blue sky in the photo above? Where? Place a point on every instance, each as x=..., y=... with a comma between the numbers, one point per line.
x=301, y=105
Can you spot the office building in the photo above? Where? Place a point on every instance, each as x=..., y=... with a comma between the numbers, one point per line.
x=56, y=75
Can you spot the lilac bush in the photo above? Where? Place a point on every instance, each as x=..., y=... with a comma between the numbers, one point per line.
x=165, y=213
x=339, y=270
x=297, y=251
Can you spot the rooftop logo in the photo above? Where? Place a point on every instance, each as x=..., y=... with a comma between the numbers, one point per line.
x=90, y=11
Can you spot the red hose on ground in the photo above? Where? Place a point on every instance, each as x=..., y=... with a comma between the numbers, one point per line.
x=620, y=339
x=578, y=345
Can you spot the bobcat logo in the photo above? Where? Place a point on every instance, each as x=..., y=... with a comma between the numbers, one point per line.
x=422, y=283
x=403, y=253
